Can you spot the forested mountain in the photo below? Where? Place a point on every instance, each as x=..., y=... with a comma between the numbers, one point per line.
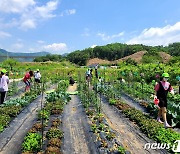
x=113, y=52
x=117, y=50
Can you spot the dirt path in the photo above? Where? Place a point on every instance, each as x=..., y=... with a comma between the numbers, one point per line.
x=12, y=137
x=133, y=103
x=77, y=135
x=128, y=133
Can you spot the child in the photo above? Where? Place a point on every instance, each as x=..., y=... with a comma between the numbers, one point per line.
x=26, y=80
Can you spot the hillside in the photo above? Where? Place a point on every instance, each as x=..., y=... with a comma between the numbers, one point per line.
x=98, y=61
x=136, y=57
x=165, y=57
x=23, y=57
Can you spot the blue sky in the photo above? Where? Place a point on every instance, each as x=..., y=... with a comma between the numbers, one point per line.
x=61, y=26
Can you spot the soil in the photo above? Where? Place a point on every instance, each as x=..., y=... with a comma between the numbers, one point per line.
x=165, y=57
x=95, y=61
x=77, y=136
x=133, y=103
x=136, y=57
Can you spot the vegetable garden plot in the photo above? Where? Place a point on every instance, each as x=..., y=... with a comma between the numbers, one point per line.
x=46, y=132
x=148, y=126
x=128, y=133
x=15, y=89
x=104, y=136
x=137, y=95
x=13, y=135
x=112, y=95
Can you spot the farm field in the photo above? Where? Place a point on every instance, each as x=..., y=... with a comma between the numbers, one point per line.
x=96, y=116
x=89, y=77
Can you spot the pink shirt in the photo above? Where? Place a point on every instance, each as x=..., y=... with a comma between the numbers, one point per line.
x=165, y=86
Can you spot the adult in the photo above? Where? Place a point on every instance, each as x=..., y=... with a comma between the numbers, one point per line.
x=4, y=81
x=91, y=73
x=96, y=72
x=71, y=81
x=88, y=74
x=37, y=76
x=161, y=90
x=27, y=79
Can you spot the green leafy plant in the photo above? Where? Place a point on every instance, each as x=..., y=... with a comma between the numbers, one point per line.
x=54, y=133
x=32, y=142
x=43, y=114
x=112, y=101
x=121, y=150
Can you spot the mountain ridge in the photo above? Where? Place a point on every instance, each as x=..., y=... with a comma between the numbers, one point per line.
x=17, y=55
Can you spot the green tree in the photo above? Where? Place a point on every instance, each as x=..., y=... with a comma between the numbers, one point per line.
x=10, y=63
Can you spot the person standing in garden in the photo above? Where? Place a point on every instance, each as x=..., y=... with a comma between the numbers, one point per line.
x=88, y=74
x=27, y=79
x=96, y=72
x=71, y=81
x=37, y=76
x=161, y=90
x=4, y=81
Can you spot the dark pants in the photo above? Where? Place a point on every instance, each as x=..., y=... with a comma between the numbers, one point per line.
x=3, y=96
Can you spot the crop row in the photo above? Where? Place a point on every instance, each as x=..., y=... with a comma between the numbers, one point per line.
x=105, y=137
x=11, y=108
x=147, y=125
x=46, y=135
x=144, y=97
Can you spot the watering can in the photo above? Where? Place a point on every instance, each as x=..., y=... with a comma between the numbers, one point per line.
x=156, y=101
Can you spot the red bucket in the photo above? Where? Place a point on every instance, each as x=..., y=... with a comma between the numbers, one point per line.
x=156, y=101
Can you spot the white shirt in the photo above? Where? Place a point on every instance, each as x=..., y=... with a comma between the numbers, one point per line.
x=4, y=81
x=37, y=75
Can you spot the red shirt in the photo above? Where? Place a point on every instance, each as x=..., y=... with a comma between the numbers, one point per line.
x=26, y=77
x=165, y=86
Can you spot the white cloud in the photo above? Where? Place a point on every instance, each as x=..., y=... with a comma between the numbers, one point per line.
x=109, y=37
x=68, y=12
x=15, y=6
x=158, y=36
x=30, y=19
x=28, y=24
x=40, y=42
x=4, y=34
x=93, y=46
x=8, y=24
x=56, y=47
x=28, y=13
x=46, y=10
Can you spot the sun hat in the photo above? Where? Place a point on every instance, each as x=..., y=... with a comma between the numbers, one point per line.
x=166, y=75
x=3, y=71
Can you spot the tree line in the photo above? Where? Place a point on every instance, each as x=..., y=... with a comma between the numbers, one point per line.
x=110, y=52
